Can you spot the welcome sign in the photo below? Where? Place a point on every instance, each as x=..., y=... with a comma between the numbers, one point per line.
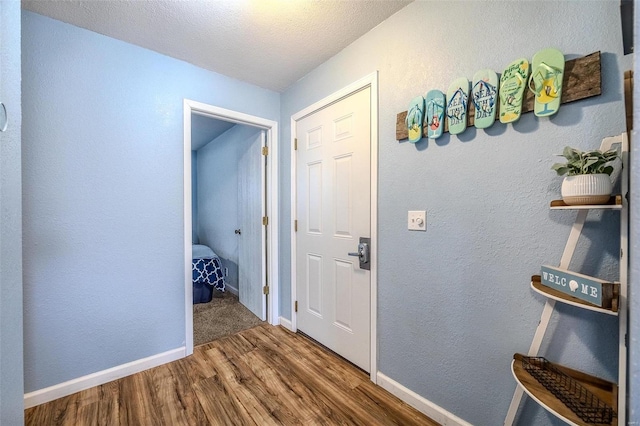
x=583, y=287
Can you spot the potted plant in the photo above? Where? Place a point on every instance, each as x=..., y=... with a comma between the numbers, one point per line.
x=588, y=176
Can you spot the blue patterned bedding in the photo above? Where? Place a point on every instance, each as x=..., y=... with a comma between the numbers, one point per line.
x=206, y=267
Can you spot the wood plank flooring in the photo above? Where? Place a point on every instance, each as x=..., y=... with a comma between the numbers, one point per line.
x=262, y=376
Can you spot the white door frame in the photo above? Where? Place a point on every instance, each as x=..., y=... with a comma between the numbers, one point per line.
x=273, y=248
x=371, y=81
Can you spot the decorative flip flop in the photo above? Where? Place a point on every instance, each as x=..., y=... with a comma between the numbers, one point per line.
x=414, y=118
x=512, y=82
x=484, y=94
x=434, y=113
x=547, y=72
x=457, y=103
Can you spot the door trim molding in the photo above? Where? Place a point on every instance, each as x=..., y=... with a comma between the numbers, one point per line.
x=371, y=81
x=273, y=247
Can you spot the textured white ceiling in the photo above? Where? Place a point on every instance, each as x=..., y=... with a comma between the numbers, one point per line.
x=269, y=43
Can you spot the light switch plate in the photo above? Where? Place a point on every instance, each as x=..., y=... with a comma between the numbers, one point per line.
x=417, y=220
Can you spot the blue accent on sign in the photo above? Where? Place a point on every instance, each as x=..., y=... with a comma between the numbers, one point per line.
x=576, y=285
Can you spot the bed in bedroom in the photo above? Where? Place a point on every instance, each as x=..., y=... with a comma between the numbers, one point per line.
x=207, y=273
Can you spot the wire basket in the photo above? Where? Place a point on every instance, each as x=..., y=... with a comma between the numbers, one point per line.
x=576, y=397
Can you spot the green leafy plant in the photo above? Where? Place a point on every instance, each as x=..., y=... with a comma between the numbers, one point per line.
x=585, y=163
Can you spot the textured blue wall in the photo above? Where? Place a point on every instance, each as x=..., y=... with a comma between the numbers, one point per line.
x=11, y=382
x=103, y=196
x=454, y=303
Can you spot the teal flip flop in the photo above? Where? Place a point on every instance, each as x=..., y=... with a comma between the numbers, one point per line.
x=484, y=93
x=457, y=104
x=415, y=115
x=434, y=113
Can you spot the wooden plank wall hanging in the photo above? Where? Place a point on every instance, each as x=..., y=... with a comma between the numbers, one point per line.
x=582, y=79
x=628, y=99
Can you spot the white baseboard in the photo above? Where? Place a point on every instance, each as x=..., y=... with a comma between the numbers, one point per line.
x=41, y=396
x=232, y=290
x=286, y=323
x=421, y=404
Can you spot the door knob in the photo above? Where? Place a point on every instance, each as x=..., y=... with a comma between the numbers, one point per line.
x=363, y=253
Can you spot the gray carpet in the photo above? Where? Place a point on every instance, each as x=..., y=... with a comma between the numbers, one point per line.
x=221, y=317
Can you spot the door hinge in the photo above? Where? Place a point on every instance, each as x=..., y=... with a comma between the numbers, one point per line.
x=265, y=150
x=295, y=226
x=265, y=220
x=295, y=306
x=295, y=144
x=265, y=289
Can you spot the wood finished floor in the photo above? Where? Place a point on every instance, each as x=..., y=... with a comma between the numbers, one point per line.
x=262, y=376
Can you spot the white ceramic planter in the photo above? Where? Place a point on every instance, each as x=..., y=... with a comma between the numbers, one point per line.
x=586, y=189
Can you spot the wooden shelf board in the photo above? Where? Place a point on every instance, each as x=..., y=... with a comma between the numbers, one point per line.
x=628, y=99
x=614, y=203
x=551, y=293
x=581, y=80
x=606, y=391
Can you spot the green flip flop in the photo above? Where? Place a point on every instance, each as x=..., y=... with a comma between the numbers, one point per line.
x=547, y=72
x=512, y=83
x=457, y=104
x=415, y=115
x=484, y=91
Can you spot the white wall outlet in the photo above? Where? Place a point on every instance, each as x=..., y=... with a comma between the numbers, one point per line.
x=417, y=220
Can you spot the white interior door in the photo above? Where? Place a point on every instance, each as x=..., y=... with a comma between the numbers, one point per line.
x=252, y=241
x=333, y=203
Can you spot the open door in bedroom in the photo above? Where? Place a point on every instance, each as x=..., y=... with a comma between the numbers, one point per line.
x=252, y=191
x=249, y=145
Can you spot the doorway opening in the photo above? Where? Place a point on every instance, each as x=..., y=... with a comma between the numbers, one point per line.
x=252, y=176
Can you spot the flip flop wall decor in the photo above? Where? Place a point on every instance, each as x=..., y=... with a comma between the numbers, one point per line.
x=434, y=113
x=585, y=82
x=547, y=69
x=415, y=115
x=457, y=104
x=484, y=93
x=512, y=83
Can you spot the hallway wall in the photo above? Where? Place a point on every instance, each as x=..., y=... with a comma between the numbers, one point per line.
x=103, y=196
x=11, y=345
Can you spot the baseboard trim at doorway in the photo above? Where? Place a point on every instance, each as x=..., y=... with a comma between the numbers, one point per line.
x=69, y=387
x=433, y=411
x=286, y=323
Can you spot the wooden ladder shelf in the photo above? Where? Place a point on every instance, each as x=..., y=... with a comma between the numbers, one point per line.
x=612, y=394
